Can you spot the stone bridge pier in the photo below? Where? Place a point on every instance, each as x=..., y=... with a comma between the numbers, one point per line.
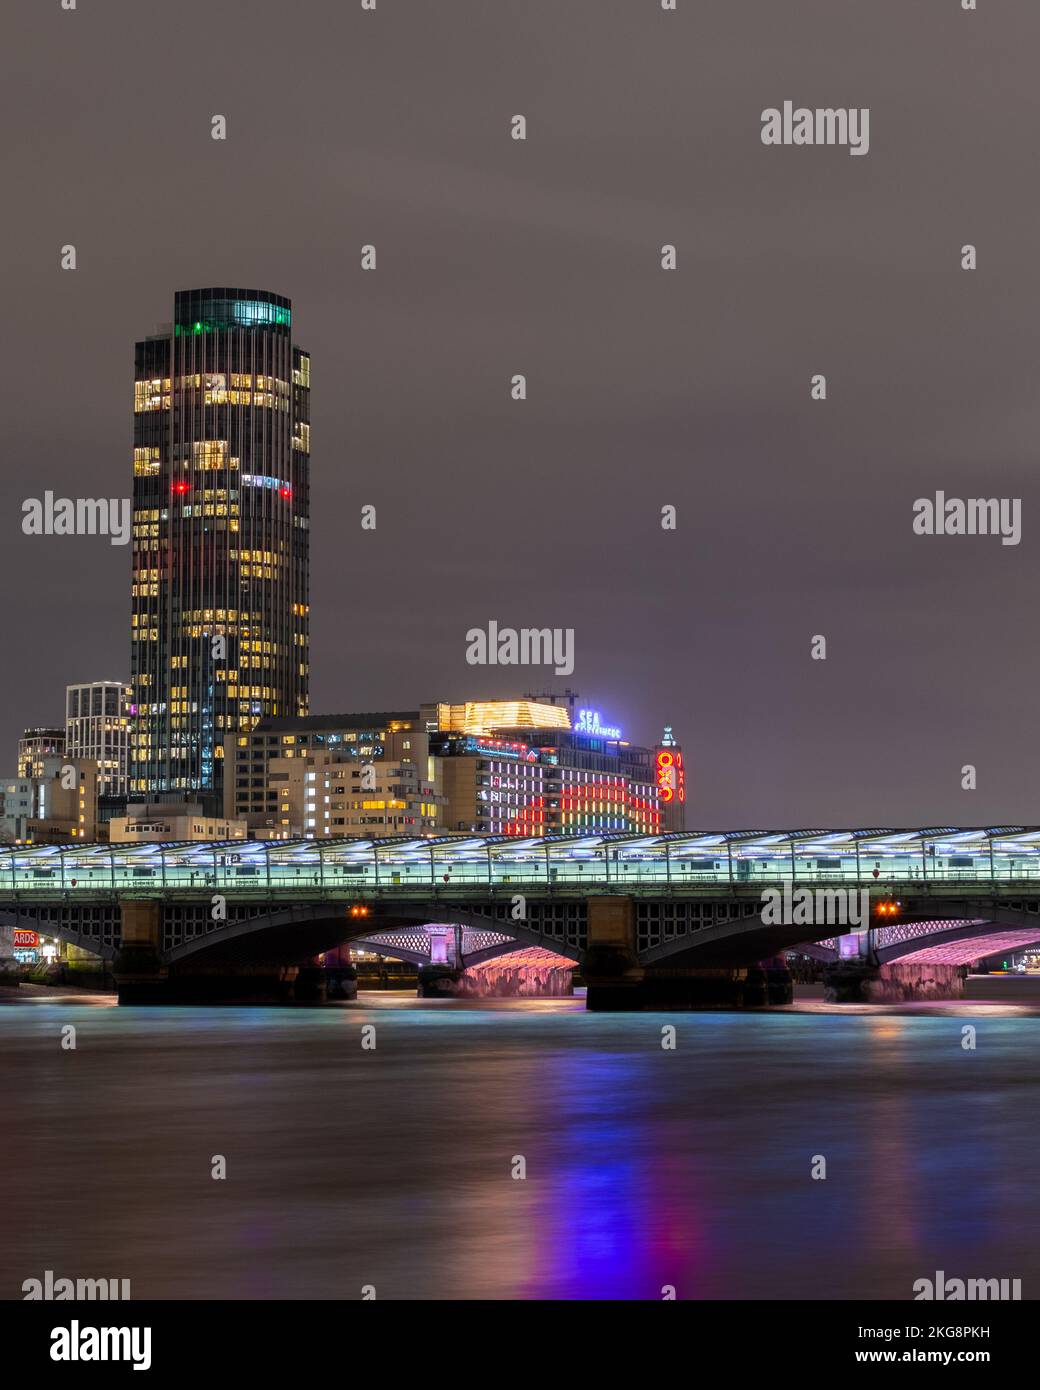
x=616, y=979
x=440, y=978
x=142, y=976
x=139, y=973
x=861, y=974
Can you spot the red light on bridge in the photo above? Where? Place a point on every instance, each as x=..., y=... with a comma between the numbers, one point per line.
x=889, y=909
x=359, y=910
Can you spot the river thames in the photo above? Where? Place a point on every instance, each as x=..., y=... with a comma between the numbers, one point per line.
x=392, y=1167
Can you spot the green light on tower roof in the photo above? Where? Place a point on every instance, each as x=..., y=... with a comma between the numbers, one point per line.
x=225, y=314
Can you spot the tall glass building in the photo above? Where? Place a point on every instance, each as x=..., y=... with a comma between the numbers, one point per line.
x=220, y=589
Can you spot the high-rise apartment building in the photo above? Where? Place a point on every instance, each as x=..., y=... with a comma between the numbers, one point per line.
x=97, y=726
x=219, y=598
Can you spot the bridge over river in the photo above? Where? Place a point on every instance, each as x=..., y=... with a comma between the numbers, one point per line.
x=648, y=919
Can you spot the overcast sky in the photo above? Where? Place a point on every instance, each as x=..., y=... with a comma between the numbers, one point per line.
x=646, y=387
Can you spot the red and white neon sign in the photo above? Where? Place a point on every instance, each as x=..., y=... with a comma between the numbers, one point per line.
x=671, y=776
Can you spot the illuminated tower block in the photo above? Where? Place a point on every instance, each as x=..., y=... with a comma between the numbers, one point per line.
x=219, y=596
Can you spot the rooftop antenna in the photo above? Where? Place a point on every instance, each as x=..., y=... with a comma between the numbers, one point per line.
x=552, y=697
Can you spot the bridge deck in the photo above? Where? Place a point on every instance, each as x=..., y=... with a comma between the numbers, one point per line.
x=1003, y=859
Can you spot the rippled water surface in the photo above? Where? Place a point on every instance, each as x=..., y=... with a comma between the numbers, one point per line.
x=644, y=1167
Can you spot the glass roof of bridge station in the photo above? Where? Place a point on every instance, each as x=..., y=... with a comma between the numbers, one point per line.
x=693, y=845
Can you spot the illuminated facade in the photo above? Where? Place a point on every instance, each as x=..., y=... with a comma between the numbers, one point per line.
x=557, y=781
x=487, y=716
x=219, y=594
x=97, y=726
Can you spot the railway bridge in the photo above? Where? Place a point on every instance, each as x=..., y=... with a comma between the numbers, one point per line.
x=650, y=920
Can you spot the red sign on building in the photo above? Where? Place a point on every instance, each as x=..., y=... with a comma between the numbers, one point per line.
x=26, y=938
x=671, y=776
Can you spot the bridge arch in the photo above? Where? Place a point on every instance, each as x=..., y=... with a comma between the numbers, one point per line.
x=958, y=943
x=297, y=934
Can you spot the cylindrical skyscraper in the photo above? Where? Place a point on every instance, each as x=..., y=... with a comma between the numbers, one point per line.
x=220, y=588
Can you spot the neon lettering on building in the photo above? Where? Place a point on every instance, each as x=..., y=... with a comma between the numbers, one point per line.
x=589, y=723
x=671, y=776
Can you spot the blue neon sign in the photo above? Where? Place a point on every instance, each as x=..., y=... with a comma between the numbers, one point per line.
x=589, y=723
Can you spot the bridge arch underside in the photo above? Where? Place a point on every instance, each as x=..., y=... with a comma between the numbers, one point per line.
x=293, y=936
x=727, y=936
x=702, y=934
x=956, y=943
x=475, y=947
x=96, y=930
x=942, y=941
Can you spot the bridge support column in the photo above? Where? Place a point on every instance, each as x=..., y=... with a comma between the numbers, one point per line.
x=440, y=979
x=311, y=983
x=340, y=974
x=139, y=974
x=10, y=973
x=615, y=979
x=611, y=971
x=779, y=986
x=849, y=979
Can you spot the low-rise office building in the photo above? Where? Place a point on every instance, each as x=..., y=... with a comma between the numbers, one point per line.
x=57, y=806
x=149, y=822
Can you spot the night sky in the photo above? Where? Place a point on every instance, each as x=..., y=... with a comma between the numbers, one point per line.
x=645, y=388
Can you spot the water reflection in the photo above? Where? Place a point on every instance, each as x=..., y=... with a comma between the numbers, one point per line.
x=644, y=1167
